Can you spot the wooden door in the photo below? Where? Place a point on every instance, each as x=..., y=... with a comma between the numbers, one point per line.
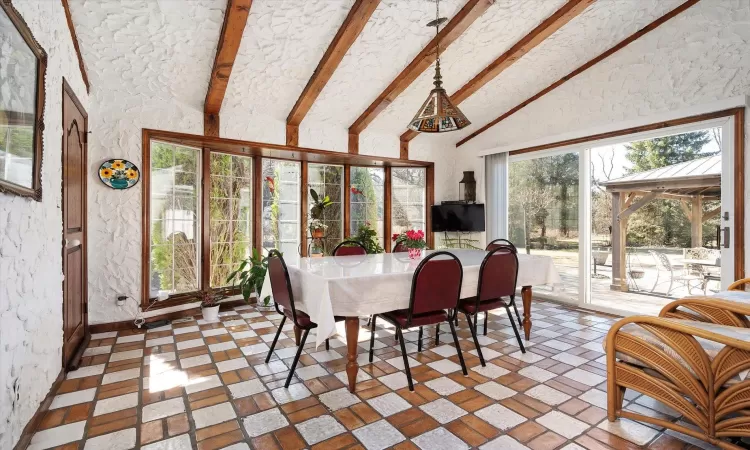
x=75, y=314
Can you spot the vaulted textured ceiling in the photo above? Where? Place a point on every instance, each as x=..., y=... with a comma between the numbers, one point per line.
x=164, y=49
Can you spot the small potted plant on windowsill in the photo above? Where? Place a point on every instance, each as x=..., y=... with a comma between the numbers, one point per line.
x=210, y=305
x=249, y=278
x=317, y=228
x=413, y=240
x=368, y=237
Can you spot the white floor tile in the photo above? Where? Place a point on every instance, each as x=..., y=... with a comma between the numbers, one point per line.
x=113, y=404
x=52, y=437
x=310, y=372
x=630, y=431
x=243, y=334
x=595, y=397
x=258, y=325
x=444, y=386
x=569, y=359
x=340, y=398
x=504, y=443
x=160, y=410
x=490, y=370
x=495, y=390
x=389, y=404
x=123, y=356
x=445, y=350
x=93, y=351
x=246, y=388
x=195, y=361
x=166, y=340
x=214, y=332
x=326, y=355
x=443, y=410
x=185, y=330
x=205, y=417
x=222, y=346
x=319, y=429
x=585, y=377
x=558, y=345
x=528, y=357
x=202, y=383
x=86, y=371
x=122, y=375
x=284, y=353
x=107, y=335
x=73, y=398
x=396, y=380
x=295, y=392
x=254, y=349
x=488, y=353
x=500, y=417
x=378, y=435
x=537, y=373
x=439, y=439
x=270, y=368
x=232, y=364
x=192, y=343
x=398, y=362
x=444, y=366
x=264, y=422
x=131, y=338
x=547, y=395
x=119, y=440
x=181, y=442
x=563, y=424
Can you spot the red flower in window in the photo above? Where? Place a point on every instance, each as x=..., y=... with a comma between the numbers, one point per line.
x=271, y=184
x=356, y=191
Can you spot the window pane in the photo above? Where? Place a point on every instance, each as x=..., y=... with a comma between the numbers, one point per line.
x=231, y=214
x=408, y=199
x=327, y=180
x=543, y=214
x=367, y=194
x=175, y=209
x=281, y=188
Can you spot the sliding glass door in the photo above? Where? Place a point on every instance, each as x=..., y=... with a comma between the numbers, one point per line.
x=632, y=222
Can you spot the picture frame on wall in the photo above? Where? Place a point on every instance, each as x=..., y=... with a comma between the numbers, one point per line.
x=23, y=65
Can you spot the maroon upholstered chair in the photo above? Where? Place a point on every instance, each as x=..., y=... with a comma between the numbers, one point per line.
x=349, y=248
x=399, y=248
x=435, y=293
x=498, y=243
x=281, y=287
x=497, y=282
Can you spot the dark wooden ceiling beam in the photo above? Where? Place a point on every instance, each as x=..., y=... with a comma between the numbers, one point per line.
x=76, y=46
x=622, y=44
x=472, y=10
x=235, y=19
x=568, y=12
x=353, y=25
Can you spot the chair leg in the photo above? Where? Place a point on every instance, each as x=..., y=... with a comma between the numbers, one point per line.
x=406, y=360
x=372, y=334
x=518, y=316
x=419, y=340
x=296, y=358
x=486, y=314
x=458, y=347
x=476, y=341
x=275, y=338
x=515, y=330
x=328, y=347
x=437, y=334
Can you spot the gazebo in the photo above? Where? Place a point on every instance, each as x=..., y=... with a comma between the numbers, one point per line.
x=691, y=182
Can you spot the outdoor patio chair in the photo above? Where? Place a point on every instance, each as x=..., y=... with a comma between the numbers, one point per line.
x=697, y=368
x=435, y=293
x=281, y=288
x=706, y=273
x=663, y=263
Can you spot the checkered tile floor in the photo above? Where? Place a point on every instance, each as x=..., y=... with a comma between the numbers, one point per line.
x=205, y=385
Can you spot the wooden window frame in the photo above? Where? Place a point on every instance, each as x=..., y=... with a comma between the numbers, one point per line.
x=259, y=151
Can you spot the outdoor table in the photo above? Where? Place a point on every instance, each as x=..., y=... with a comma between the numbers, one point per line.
x=362, y=285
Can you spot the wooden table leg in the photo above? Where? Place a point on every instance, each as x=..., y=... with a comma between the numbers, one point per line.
x=297, y=334
x=352, y=341
x=526, y=297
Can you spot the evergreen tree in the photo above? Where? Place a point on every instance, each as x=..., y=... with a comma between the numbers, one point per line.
x=667, y=150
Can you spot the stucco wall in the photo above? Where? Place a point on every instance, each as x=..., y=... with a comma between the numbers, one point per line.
x=695, y=59
x=31, y=243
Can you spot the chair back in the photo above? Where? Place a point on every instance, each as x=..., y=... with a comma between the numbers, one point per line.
x=498, y=274
x=400, y=248
x=661, y=260
x=497, y=243
x=281, y=286
x=349, y=248
x=436, y=284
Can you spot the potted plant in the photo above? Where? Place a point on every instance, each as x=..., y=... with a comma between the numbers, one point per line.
x=369, y=238
x=249, y=277
x=209, y=305
x=413, y=240
x=317, y=228
x=316, y=213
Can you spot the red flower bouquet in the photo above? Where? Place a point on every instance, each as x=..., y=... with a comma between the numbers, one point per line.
x=413, y=240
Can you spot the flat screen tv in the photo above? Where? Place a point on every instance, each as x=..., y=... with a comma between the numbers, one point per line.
x=458, y=217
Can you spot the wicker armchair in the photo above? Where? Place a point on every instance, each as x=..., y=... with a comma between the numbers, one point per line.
x=720, y=309
x=698, y=367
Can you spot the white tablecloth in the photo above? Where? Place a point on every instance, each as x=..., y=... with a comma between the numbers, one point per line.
x=373, y=284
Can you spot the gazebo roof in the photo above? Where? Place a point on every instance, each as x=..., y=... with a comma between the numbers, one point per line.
x=699, y=176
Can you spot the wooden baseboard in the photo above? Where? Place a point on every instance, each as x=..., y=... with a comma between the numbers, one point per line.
x=31, y=426
x=128, y=324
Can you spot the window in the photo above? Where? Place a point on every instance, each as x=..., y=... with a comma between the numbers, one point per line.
x=231, y=208
x=175, y=225
x=327, y=180
x=366, y=198
x=281, y=205
x=408, y=199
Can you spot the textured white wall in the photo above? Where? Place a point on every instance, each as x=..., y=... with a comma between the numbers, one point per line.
x=31, y=245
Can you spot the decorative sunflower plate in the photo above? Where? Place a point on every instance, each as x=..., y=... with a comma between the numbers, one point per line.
x=119, y=173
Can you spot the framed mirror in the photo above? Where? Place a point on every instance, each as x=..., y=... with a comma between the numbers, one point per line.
x=23, y=64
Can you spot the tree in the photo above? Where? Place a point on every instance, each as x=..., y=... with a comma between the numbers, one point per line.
x=668, y=150
x=529, y=198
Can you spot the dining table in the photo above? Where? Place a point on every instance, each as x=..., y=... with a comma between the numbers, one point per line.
x=362, y=285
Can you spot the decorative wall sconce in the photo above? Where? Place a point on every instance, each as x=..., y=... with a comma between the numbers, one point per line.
x=469, y=187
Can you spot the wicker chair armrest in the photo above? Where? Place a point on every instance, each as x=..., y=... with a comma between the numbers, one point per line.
x=708, y=309
x=739, y=285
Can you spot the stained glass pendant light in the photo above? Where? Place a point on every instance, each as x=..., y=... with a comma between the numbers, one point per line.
x=438, y=114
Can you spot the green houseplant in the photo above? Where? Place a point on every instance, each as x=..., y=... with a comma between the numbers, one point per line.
x=209, y=304
x=369, y=238
x=316, y=213
x=249, y=276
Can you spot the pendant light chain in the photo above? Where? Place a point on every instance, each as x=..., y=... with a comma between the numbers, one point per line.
x=438, y=78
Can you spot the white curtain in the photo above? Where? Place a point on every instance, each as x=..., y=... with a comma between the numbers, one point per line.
x=496, y=195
